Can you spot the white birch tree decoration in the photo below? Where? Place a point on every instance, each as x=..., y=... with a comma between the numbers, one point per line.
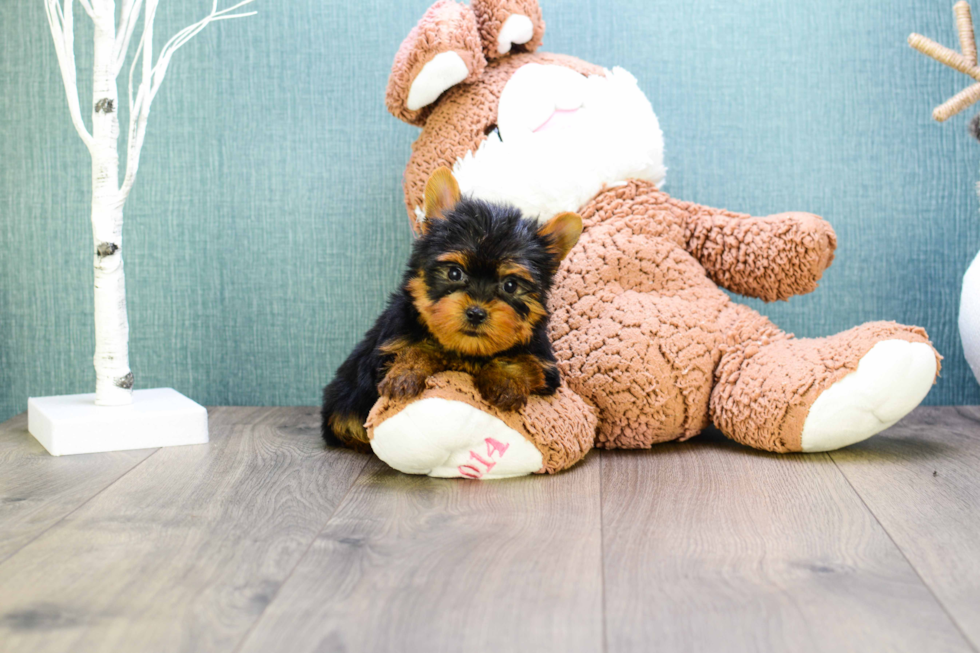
x=112, y=40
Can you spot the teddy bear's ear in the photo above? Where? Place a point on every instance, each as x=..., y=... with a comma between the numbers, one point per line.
x=443, y=50
x=508, y=25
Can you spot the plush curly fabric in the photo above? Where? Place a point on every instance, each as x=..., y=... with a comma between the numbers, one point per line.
x=642, y=331
x=561, y=427
x=446, y=27
x=776, y=257
x=491, y=16
x=638, y=325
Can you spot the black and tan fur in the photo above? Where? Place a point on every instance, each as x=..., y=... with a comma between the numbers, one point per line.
x=473, y=299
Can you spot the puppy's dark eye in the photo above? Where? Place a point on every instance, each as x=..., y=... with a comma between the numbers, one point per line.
x=510, y=286
x=455, y=274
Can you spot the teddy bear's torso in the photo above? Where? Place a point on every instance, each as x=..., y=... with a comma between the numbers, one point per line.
x=630, y=298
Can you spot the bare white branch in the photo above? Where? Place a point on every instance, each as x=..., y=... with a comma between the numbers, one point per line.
x=183, y=36
x=60, y=20
x=87, y=6
x=139, y=109
x=132, y=68
x=127, y=25
x=153, y=74
x=124, y=10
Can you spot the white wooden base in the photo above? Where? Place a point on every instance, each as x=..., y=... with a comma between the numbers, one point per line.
x=161, y=417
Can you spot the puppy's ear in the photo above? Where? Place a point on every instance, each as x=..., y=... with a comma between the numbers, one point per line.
x=562, y=231
x=441, y=195
x=442, y=51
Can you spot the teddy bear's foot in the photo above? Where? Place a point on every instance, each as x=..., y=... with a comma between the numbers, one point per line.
x=783, y=394
x=451, y=439
x=890, y=380
x=451, y=432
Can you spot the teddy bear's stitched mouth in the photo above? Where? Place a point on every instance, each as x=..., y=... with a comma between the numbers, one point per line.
x=557, y=118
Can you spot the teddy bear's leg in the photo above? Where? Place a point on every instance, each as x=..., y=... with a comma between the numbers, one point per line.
x=644, y=361
x=450, y=432
x=782, y=394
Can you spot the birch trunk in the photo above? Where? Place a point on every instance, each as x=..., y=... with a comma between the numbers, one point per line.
x=113, y=378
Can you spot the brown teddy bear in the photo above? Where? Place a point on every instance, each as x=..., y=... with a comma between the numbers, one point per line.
x=649, y=346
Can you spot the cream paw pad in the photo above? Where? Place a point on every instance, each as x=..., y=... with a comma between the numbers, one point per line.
x=890, y=380
x=451, y=439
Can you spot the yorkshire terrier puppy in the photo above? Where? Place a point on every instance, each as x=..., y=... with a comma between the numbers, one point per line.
x=473, y=299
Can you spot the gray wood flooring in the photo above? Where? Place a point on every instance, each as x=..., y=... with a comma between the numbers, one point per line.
x=264, y=541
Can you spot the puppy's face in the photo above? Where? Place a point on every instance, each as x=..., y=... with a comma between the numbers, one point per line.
x=478, y=305
x=482, y=272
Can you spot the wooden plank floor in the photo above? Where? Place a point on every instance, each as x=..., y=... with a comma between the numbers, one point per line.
x=263, y=541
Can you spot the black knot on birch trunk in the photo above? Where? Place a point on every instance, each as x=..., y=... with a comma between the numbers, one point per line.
x=106, y=249
x=125, y=382
x=105, y=105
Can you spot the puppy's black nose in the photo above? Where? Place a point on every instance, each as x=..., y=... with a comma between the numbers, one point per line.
x=476, y=315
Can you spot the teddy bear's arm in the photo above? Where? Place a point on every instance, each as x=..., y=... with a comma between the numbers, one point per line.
x=771, y=258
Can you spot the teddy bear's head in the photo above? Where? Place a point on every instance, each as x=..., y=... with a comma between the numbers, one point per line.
x=541, y=131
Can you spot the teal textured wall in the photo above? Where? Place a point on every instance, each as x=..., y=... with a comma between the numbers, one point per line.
x=267, y=226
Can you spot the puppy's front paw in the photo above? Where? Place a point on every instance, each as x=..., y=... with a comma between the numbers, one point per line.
x=501, y=391
x=402, y=385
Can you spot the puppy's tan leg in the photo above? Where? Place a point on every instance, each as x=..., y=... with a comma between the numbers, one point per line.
x=413, y=364
x=508, y=382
